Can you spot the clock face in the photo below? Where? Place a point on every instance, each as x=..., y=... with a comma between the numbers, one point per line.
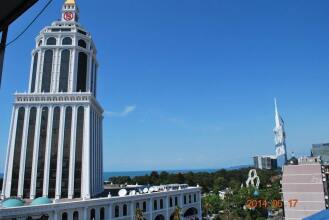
x=68, y=16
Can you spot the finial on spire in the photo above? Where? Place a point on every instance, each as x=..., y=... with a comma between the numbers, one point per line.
x=277, y=117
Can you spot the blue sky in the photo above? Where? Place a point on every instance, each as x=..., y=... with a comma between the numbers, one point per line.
x=190, y=83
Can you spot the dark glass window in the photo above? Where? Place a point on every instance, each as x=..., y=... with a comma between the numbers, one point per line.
x=92, y=76
x=42, y=151
x=124, y=212
x=144, y=206
x=67, y=41
x=47, y=68
x=34, y=71
x=82, y=32
x=161, y=203
x=53, y=153
x=51, y=41
x=82, y=72
x=92, y=214
x=189, y=198
x=78, y=152
x=40, y=42
x=82, y=43
x=76, y=215
x=176, y=201
x=137, y=205
x=64, y=71
x=29, y=153
x=184, y=199
x=66, y=152
x=170, y=202
x=102, y=214
x=155, y=204
x=194, y=197
x=95, y=89
x=17, y=151
x=64, y=216
x=116, y=211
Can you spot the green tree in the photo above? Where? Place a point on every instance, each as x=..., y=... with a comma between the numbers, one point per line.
x=177, y=213
x=139, y=214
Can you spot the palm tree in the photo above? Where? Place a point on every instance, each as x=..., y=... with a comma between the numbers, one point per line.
x=207, y=207
x=139, y=214
x=177, y=213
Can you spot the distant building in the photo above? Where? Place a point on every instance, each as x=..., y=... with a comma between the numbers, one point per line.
x=265, y=162
x=322, y=151
x=280, y=139
x=304, y=188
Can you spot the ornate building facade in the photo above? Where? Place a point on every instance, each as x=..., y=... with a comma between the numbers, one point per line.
x=58, y=123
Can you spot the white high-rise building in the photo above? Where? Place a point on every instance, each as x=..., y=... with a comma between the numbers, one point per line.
x=53, y=167
x=55, y=140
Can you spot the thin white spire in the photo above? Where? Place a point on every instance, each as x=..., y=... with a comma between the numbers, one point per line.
x=277, y=116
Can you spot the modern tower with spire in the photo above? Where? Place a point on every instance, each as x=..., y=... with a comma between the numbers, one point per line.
x=279, y=138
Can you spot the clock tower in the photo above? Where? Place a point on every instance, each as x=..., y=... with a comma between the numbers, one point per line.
x=70, y=11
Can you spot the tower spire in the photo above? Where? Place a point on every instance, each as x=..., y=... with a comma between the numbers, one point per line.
x=277, y=116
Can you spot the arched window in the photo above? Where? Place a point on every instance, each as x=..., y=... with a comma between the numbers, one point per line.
x=42, y=151
x=53, y=152
x=155, y=205
x=76, y=215
x=124, y=212
x=47, y=69
x=116, y=211
x=137, y=205
x=144, y=206
x=17, y=151
x=66, y=152
x=194, y=197
x=92, y=214
x=161, y=203
x=64, y=71
x=176, y=201
x=82, y=72
x=102, y=214
x=51, y=41
x=170, y=202
x=184, y=199
x=64, y=216
x=82, y=43
x=34, y=71
x=78, y=152
x=29, y=152
x=189, y=198
x=40, y=43
x=67, y=41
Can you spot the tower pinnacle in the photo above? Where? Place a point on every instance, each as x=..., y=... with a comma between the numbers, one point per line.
x=70, y=11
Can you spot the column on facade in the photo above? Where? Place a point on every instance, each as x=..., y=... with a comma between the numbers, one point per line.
x=39, y=72
x=132, y=210
x=167, y=207
x=72, y=68
x=72, y=153
x=97, y=213
x=55, y=71
x=23, y=153
x=35, y=153
x=85, y=181
x=151, y=209
x=108, y=212
x=60, y=154
x=96, y=154
x=101, y=146
x=31, y=69
x=48, y=152
x=9, y=148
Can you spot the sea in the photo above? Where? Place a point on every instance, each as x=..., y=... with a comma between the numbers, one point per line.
x=107, y=175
